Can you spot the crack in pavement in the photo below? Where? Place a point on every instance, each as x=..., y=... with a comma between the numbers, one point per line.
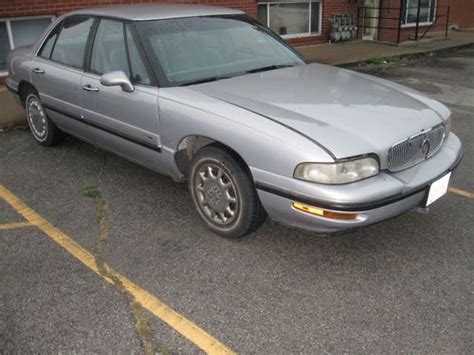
x=142, y=326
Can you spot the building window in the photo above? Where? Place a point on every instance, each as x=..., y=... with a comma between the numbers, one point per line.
x=19, y=32
x=427, y=11
x=291, y=18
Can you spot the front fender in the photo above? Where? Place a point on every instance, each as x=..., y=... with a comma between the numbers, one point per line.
x=262, y=143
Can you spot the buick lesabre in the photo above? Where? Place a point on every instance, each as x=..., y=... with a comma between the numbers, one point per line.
x=209, y=96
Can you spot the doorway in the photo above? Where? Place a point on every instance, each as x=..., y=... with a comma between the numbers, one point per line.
x=371, y=21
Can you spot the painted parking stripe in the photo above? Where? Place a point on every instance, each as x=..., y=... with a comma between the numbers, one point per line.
x=461, y=192
x=14, y=225
x=178, y=322
x=461, y=111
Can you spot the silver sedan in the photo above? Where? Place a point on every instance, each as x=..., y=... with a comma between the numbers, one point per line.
x=210, y=96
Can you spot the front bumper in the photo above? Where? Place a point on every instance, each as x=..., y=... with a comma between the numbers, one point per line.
x=376, y=199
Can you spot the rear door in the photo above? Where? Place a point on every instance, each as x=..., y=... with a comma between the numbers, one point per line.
x=57, y=73
x=124, y=122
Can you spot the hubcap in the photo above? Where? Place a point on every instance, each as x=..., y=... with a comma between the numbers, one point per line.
x=37, y=117
x=216, y=194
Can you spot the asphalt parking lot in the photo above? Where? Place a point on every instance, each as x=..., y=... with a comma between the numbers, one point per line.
x=105, y=250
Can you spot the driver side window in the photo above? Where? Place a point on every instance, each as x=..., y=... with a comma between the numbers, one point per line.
x=114, y=49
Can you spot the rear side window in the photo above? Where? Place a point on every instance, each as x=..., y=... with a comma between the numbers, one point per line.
x=48, y=45
x=115, y=49
x=71, y=44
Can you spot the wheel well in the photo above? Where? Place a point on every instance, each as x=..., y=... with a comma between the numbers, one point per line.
x=23, y=89
x=190, y=145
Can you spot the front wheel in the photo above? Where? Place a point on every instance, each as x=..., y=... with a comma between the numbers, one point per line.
x=224, y=194
x=43, y=129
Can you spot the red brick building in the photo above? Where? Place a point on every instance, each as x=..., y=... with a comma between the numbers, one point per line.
x=301, y=22
x=433, y=16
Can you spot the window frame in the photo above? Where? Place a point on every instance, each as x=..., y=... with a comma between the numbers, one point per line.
x=56, y=28
x=90, y=43
x=88, y=65
x=296, y=35
x=405, y=24
x=60, y=26
x=11, y=41
x=138, y=43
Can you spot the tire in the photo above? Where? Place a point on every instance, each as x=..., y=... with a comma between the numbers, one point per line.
x=43, y=129
x=224, y=194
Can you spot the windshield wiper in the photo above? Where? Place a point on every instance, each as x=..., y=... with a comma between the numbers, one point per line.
x=256, y=70
x=205, y=80
x=269, y=67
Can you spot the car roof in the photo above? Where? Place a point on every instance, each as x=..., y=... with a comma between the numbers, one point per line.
x=146, y=12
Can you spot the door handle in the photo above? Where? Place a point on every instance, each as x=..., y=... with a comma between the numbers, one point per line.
x=38, y=71
x=90, y=88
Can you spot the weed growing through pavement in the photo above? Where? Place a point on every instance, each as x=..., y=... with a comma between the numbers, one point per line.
x=383, y=60
x=137, y=311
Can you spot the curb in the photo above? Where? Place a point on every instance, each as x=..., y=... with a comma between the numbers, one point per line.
x=405, y=55
x=11, y=115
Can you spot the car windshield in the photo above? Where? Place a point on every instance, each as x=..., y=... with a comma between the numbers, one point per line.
x=199, y=49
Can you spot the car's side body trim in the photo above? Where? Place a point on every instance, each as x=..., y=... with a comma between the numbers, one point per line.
x=106, y=129
x=353, y=207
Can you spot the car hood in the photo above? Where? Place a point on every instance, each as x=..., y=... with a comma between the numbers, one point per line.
x=346, y=112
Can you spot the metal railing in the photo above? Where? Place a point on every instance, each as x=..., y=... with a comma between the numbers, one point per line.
x=419, y=29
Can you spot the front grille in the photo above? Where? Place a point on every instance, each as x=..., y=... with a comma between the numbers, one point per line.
x=415, y=149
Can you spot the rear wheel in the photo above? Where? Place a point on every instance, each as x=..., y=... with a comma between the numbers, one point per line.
x=224, y=194
x=43, y=129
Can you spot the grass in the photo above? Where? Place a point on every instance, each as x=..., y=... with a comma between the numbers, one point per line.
x=383, y=60
x=164, y=351
x=143, y=328
x=91, y=191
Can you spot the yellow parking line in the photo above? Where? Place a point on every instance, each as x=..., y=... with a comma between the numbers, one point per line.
x=461, y=192
x=461, y=111
x=181, y=324
x=14, y=225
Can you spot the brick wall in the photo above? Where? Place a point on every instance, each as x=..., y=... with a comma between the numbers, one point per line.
x=329, y=7
x=461, y=13
x=16, y=8
x=390, y=14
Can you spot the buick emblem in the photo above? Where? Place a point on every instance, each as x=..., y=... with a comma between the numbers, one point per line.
x=425, y=147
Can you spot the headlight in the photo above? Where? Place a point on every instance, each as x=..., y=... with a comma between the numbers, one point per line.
x=337, y=173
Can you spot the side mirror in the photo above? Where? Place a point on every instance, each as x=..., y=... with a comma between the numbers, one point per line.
x=117, y=78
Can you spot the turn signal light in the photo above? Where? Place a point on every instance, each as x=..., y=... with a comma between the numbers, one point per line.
x=323, y=213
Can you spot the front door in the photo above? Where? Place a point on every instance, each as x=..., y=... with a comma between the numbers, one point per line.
x=371, y=21
x=124, y=122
